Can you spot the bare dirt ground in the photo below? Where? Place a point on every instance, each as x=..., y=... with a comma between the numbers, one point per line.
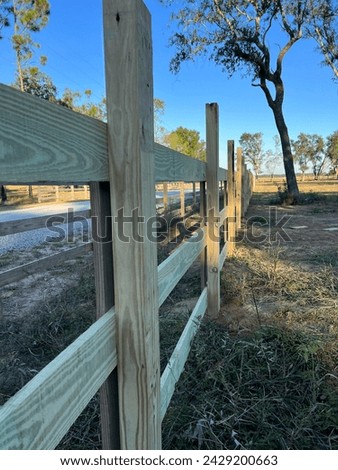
x=285, y=269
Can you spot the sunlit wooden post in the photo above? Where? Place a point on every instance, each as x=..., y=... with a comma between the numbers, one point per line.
x=165, y=196
x=231, y=198
x=203, y=215
x=129, y=82
x=182, y=199
x=239, y=187
x=212, y=142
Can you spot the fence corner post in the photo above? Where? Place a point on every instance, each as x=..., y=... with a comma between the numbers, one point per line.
x=213, y=236
x=130, y=124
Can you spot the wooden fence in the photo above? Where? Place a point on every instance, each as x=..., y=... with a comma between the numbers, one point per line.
x=36, y=223
x=47, y=194
x=119, y=354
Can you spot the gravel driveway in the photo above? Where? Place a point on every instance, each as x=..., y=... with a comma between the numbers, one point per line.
x=27, y=240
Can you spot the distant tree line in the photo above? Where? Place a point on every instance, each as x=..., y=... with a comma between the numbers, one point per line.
x=311, y=152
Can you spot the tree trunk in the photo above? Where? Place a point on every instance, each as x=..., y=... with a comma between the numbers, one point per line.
x=289, y=167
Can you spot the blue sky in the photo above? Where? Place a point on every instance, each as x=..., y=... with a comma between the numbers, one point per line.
x=73, y=42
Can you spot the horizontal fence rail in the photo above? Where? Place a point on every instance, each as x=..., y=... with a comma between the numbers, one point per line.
x=41, y=413
x=42, y=142
x=35, y=223
x=21, y=272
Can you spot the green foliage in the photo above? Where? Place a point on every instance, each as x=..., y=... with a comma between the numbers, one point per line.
x=309, y=149
x=240, y=36
x=252, y=145
x=38, y=84
x=4, y=22
x=27, y=18
x=324, y=30
x=186, y=141
x=332, y=150
x=83, y=104
x=267, y=390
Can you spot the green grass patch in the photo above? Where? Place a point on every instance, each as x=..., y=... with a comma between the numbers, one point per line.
x=268, y=390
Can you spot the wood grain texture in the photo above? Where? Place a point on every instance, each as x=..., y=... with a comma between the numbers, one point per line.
x=129, y=87
x=182, y=200
x=203, y=215
x=239, y=187
x=231, y=232
x=212, y=144
x=173, y=268
x=41, y=413
x=165, y=196
x=41, y=141
x=104, y=288
x=174, y=166
x=34, y=223
x=179, y=357
x=21, y=272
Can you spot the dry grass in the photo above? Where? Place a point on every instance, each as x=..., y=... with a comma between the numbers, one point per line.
x=263, y=377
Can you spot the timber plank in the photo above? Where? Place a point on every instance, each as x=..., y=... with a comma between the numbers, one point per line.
x=45, y=142
x=42, y=142
x=213, y=235
x=174, y=166
x=179, y=357
x=129, y=89
x=41, y=413
x=20, y=272
x=35, y=223
x=104, y=289
x=177, y=264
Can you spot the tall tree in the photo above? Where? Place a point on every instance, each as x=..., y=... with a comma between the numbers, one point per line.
x=237, y=34
x=186, y=141
x=252, y=145
x=309, y=149
x=26, y=17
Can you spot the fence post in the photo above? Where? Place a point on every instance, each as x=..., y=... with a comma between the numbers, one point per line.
x=213, y=241
x=129, y=83
x=104, y=281
x=182, y=199
x=203, y=215
x=231, y=198
x=239, y=188
x=165, y=196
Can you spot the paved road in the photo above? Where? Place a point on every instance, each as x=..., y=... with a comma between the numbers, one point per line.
x=27, y=240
